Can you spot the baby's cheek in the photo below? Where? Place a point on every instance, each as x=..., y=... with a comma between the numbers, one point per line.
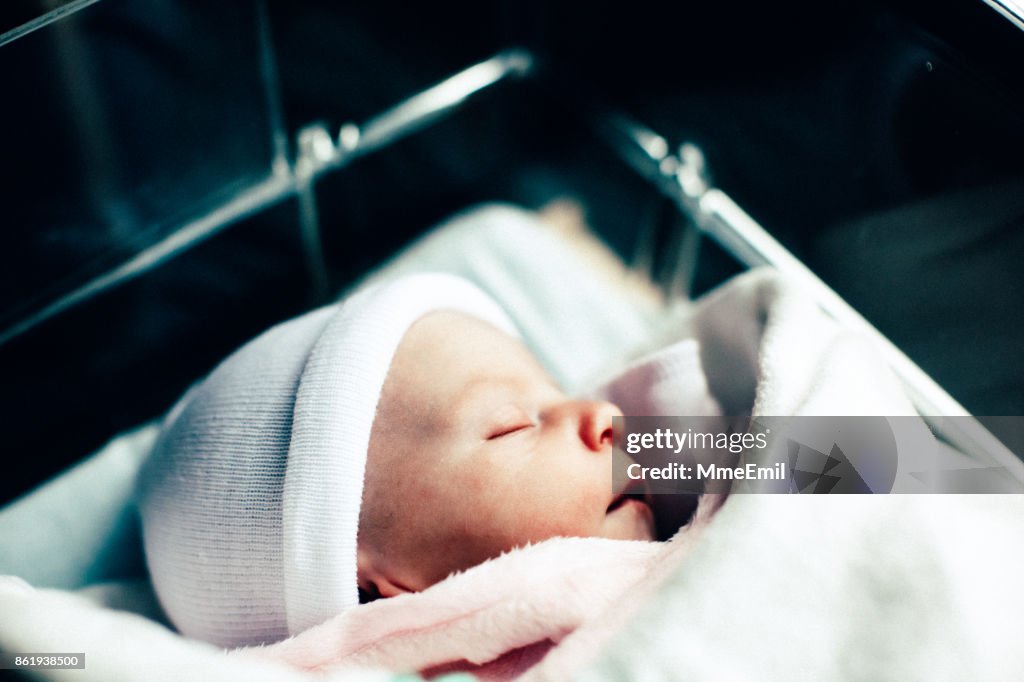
x=575, y=514
x=480, y=482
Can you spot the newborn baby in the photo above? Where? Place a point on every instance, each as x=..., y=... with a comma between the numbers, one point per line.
x=366, y=450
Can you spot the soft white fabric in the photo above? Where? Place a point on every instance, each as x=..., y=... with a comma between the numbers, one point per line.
x=814, y=587
x=86, y=513
x=124, y=647
x=250, y=500
x=818, y=587
x=768, y=350
x=669, y=382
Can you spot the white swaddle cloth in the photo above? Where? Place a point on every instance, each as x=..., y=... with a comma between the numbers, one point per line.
x=668, y=382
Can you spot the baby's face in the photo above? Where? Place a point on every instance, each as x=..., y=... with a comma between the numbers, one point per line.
x=475, y=451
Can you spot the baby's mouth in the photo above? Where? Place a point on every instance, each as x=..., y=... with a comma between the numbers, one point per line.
x=666, y=513
x=625, y=498
x=635, y=491
x=630, y=516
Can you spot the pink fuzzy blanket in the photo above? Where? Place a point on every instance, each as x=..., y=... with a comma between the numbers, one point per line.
x=500, y=619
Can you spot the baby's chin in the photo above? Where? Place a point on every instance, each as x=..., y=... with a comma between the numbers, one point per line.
x=631, y=519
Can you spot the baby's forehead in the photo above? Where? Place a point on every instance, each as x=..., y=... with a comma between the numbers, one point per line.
x=448, y=359
x=452, y=340
x=449, y=322
x=441, y=352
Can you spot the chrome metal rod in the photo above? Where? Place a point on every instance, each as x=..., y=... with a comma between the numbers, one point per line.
x=1013, y=10
x=272, y=91
x=717, y=215
x=42, y=20
x=422, y=109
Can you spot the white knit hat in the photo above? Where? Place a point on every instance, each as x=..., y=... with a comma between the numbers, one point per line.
x=250, y=499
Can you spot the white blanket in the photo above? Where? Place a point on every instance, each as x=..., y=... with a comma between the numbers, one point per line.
x=816, y=587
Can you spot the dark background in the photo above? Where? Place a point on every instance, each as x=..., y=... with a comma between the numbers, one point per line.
x=881, y=141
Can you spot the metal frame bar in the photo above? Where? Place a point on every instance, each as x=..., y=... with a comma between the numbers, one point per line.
x=1012, y=10
x=324, y=152
x=42, y=20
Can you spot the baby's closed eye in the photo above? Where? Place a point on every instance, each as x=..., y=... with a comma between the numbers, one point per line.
x=509, y=420
x=503, y=431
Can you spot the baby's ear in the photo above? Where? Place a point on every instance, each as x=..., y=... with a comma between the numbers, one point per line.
x=374, y=582
x=378, y=587
x=388, y=588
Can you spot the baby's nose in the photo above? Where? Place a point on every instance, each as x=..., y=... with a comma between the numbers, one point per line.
x=595, y=422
